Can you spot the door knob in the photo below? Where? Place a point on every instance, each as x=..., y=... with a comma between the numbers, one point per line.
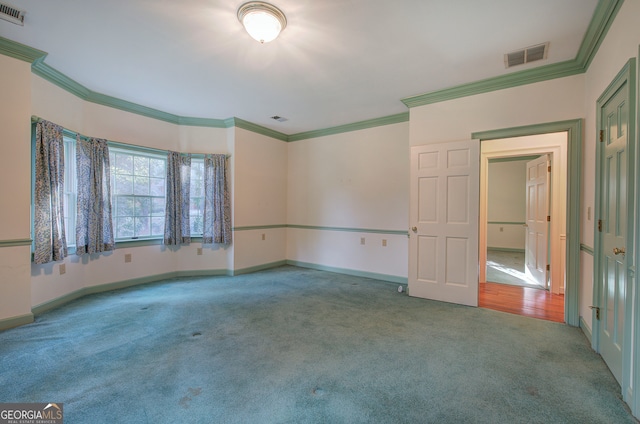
x=617, y=251
x=414, y=229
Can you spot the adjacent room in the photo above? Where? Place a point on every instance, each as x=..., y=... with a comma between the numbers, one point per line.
x=353, y=216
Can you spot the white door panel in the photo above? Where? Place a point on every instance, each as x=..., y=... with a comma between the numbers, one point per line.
x=443, y=248
x=537, y=225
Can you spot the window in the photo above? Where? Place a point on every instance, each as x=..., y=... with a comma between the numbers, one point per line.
x=70, y=190
x=138, y=194
x=196, y=197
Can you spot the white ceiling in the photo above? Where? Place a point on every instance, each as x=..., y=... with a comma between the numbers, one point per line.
x=337, y=62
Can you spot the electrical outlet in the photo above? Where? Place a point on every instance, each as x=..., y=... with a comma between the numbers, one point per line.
x=264, y=236
x=501, y=229
x=127, y=257
x=361, y=240
x=384, y=242
x=199, y=251
x=63, y=269
x=589, y=213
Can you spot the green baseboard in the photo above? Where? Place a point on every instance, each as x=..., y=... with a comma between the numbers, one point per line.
x=585, y=329
x=258, y=268
x=8, y=323
x=374, y=276
x=505, y=249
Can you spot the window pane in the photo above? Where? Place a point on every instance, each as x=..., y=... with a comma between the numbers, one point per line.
x=124, y=164
x=124, y=206
x=124, y=227
x=157, y=207
x=143, y=227
x=157, y=226
x=124, y=184
x=141, y=165
x=157, y=168
x=142, y=206
x=157, y=186
x=141, y=186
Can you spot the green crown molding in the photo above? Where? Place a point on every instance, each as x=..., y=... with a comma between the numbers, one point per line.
x=20, y=51
x=202, y=122
x=603, y=16
x=356, y=126
x=249, y=126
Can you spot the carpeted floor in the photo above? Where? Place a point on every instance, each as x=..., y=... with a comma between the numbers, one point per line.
x=292, y=345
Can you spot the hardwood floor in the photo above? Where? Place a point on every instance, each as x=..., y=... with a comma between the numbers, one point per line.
x=525, y=301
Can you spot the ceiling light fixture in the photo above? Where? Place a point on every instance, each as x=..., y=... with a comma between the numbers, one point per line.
x=263, y=21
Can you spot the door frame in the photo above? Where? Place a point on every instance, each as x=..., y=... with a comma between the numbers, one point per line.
x=573, y=128
x=627, y=75
x=558, y=210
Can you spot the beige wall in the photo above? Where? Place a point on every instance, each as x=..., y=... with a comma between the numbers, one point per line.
x=15, y=187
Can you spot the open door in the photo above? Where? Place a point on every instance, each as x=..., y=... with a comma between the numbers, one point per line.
x=444, y=207
x=537, y=220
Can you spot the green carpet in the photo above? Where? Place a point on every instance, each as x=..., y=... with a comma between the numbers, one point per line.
x=293, y=345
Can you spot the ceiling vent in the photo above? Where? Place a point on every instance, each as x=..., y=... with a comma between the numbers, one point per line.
x=11, y=14
x=526, y=55
x=279, y=118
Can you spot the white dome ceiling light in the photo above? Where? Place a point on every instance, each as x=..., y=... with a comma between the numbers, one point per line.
x=263, y=21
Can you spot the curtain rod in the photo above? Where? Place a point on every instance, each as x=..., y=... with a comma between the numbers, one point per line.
x=116, y=144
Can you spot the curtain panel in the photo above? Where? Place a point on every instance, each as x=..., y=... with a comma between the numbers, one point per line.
x=217, y=204
x=49, y=232
x=94, y=225
x=176, y=221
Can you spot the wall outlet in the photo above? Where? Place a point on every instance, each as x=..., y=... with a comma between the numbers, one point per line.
x=501, y=229
x=264, y=236
x=199, y=251
x=127, y=257
x=589, y=213
x=63, y=269
x=361, y=240
x=384, y=242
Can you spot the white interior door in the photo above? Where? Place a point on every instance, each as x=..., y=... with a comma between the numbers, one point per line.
x=444, y=207
x=613, y=229
x=537, y=220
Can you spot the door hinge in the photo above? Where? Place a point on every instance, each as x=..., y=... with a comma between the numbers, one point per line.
x=549, y=168
x=548, y=267
x=548, y=218
x=597, y=311
x=601, y=136
x=600, y=225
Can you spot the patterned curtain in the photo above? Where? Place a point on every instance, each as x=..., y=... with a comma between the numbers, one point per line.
x=176, y=219
x=49, y=235
x=94, y=225
x=217, y=206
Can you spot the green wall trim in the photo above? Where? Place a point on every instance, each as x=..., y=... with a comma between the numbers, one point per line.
x=258, y=129
x=356, y=126
x=587, y=249
x=603, y=16
x=202, y=122
x=514, y=159
x=12, y=322
x=364, y=274
x=259, y=227
x=13, y=243
x=351, y=230
x=515, y=79
x=86, y=291
x=20, y=51
x=258, y=268
x=585, y=329
x=505, y=249
x=505, y=223
x=123, y=244
x=573, y=128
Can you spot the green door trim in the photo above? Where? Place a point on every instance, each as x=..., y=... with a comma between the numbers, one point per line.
x=573, y=128
x=627, y=75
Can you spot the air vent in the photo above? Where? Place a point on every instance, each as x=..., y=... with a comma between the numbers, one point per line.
x=279, y=118
x=11, y=14
x=526, y=55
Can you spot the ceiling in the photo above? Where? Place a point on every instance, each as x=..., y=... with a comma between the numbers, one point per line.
x=337, y=62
